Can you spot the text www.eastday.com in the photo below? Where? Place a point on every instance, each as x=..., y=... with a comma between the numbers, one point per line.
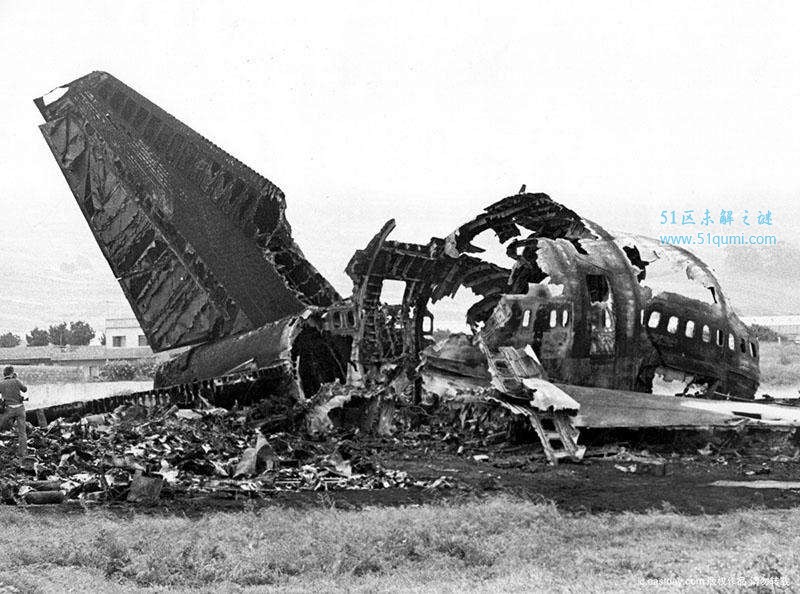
x=719, y=240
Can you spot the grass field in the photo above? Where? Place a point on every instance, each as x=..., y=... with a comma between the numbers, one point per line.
x=497, y=544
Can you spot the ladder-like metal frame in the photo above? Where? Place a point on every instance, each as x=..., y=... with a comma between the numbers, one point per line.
x=554, y=427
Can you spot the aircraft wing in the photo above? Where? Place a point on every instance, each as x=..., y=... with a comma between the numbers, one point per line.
x=454, y=369
x=613, y=409
x=197, y=240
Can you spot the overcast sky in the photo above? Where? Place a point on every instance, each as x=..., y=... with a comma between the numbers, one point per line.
x=365, y=111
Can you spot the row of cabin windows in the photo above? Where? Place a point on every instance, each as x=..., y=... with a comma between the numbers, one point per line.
x=556, y=315
x=182, y=154
x=689, y=332
x=347, y=319
x=343, y=319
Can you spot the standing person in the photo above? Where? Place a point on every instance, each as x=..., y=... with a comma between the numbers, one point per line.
x=11, y=392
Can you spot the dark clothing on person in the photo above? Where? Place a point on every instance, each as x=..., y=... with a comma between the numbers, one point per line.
x=16, y=415
x=10, y=390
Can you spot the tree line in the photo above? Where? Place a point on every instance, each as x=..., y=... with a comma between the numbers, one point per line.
x=76, y=333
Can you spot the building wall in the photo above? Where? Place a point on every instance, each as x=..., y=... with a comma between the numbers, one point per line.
x=124, y=333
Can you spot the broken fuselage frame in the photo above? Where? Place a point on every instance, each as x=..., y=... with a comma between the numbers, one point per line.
x=574, y=293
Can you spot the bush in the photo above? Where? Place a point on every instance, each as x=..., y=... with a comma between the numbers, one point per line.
x=146, y=368
x=8, y=340
x=117, y=371
x=764, y=333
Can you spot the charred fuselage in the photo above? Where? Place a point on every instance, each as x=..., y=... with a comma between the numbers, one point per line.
x=578, y=296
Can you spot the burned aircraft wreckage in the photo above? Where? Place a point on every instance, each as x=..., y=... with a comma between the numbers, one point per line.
x=572, y=332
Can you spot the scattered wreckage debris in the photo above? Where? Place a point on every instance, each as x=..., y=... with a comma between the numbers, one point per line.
x=574, y=329
x=642, y=463
x=159, y=455
x=140, y=454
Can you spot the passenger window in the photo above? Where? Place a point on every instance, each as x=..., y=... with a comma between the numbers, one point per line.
x=689, y=332
x=337, y=319
x=743, y=345
x=351, y=319
x=553, y=318
x=526, y=318
x=720, y=338
x=655, y=318
x=706, y=334
x=731, y=342
x=753, y=350
x=672, y=325
x=564, y=317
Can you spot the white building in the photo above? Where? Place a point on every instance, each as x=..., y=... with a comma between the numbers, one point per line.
x=788, y=326
x=124, y=333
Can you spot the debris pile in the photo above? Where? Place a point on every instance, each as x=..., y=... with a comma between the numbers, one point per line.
x=643, y=463
x=142, y=454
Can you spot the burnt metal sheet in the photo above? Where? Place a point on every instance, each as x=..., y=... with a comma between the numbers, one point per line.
x=198, y=241
x=300, y=345
x=267, y=346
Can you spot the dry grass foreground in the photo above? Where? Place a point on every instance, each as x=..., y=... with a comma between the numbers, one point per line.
x=498, y=544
